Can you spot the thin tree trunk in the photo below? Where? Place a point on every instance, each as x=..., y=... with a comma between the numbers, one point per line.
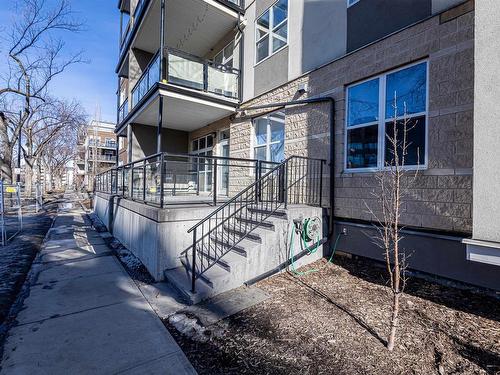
x=28, y=178
x=6, y=168
x=394, y=321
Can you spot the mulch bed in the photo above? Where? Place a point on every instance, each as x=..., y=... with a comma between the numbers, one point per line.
x=335, y=321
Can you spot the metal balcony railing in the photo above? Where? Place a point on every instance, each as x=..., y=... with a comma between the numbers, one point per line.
x=149, y=78
x=107, y=144
x=110, y=158
x=169, y=178
x=123, y=111
x=126, y=34
x=186, y=70
x=190, y=71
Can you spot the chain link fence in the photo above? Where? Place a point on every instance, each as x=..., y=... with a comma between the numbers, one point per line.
x=14, y=202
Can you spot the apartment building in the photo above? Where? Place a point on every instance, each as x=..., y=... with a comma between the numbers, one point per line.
x=96, y=152
x=286, y=104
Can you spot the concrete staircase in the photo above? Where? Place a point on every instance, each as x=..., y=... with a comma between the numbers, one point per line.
x=255, y=253
x=249, y=234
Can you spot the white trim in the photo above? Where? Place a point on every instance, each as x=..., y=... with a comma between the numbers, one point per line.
x=270, y=32
x=192, y=99
x=382, y=121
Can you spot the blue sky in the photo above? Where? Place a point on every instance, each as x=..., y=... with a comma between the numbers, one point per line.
x=93, y=83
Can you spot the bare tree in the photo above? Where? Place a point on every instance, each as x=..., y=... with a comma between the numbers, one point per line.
x=50, y=120
x=60, y=151
x=34, y=57
x=394, y=183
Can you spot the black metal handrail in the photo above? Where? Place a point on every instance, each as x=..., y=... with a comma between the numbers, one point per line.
x=297, y=180
x=151, y=179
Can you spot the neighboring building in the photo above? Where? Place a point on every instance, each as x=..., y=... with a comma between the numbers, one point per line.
x=96, y=152
x=68, y=178
x=215, y=77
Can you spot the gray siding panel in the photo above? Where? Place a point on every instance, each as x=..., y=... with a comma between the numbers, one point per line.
x=272, y=72
x=434, y=255
x=369, y=20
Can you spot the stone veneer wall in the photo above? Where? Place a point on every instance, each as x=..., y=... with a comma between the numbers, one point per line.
x=441, y=198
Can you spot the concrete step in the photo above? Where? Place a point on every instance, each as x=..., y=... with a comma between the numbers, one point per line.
x=265, y=224
x=205, y=277
x=241, y=249
x=235, y=229
x=222, y=260
x=261, y=210
x=181, y=280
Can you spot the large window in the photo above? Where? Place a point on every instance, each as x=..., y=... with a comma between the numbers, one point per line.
x=271, y=30
x=269, y=139
x=372, y=107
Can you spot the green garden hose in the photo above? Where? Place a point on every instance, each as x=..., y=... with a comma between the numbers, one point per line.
x=304, y=238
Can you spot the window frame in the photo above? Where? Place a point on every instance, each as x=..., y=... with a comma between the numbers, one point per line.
x=350, y=4
x=270, y=33
x=382, y=121
x=224, y=59
x=269, y=141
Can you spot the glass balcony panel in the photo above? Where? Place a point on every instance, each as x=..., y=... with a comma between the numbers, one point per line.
x=185, y=72
x=150, y=76
x=222, y=82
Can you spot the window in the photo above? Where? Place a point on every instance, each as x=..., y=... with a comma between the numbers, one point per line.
x=371, y=108
x=269, y=139
x=203, y=147
x=351, y=2
x=271, y=30
x=225, y=57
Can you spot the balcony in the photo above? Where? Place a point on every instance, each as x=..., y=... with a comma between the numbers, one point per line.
x=149, y=78
x=123, y=111
x=107, y=144
x=188, y=71
x=219, y=18
x=103, y=158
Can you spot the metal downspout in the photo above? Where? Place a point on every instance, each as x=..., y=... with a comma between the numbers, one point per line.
x=321, y=99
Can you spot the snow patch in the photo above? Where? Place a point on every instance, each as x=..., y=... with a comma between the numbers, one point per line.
x=129, y=259
x=190, y=327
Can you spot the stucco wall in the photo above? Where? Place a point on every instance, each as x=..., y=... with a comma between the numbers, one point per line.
x=442, y=195
x=316, y=34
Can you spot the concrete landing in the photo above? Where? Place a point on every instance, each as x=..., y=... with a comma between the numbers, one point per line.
x=84, y=314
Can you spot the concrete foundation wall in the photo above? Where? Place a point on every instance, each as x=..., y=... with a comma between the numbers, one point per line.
x=157, y=237
x=444, y=256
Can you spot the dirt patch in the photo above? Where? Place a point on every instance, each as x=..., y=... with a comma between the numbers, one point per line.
x=334, y=321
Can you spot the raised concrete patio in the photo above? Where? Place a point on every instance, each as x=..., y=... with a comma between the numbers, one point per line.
x=84, y=314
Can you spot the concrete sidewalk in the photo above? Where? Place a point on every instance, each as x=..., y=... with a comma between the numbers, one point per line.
x=84, y=314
